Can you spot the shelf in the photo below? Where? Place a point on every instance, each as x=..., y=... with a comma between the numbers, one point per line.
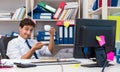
x=10, y=20
x=65, y=44
x=52, y=20
x=111, y=10
x=98, y=11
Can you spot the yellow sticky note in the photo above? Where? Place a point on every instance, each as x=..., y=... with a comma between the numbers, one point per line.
x=98, y=38
x=74, y=65
x=66, y=23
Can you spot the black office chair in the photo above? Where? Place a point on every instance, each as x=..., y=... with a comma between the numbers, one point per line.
x=3, y=46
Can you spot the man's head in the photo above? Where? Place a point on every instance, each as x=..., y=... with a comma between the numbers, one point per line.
x=26, y=27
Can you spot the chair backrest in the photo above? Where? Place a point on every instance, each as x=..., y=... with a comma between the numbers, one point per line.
x=3, y=46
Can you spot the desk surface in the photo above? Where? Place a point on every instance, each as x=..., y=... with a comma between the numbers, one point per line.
x=59, y=68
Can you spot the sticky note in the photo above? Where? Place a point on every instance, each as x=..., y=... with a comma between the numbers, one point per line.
x=98, y=38
x=110, y=56
x=74, y=65
x=101, y=40
x=66, y=23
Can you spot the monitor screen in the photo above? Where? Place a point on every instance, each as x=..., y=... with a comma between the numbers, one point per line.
x=86, y=31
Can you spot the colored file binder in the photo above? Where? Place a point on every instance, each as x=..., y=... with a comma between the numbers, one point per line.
x=37, y=11
x=59, y=10
x=95, y=5
x=71, y=35
x=100, y=3
x=44, y=36
x=66, y=35
x=60, y=34
x=47, y=7
x=114, y=2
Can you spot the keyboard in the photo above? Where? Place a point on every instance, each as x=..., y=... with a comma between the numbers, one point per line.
x=56, y=62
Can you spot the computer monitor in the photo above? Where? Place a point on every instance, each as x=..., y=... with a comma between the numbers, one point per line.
x=86, y=31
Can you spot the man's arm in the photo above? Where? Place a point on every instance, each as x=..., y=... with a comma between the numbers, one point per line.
x=32, y=50
x=51, y=44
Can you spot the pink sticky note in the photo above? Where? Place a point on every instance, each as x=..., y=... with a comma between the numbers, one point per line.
x=110, y=56
x=102, y=40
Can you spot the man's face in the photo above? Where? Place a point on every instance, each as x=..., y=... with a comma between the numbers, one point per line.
x=26, y=31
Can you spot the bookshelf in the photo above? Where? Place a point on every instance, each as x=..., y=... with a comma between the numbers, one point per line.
x=7, y=26
x=104, y=11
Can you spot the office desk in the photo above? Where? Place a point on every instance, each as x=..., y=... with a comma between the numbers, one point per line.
x=58, y=68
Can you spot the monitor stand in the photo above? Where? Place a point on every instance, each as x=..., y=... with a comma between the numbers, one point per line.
x=101, y=58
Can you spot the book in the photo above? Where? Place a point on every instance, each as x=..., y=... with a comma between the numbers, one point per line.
x=100, y=3
x=59, y=10
x=47, y=7
x=37, y=12
x=70, y=9
x=21, y=13
x=114, y=3
x=16, y=13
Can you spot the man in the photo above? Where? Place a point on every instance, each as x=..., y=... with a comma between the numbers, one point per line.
x=23, y=47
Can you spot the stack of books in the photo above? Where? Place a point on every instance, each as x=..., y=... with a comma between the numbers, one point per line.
x=19, y=13
x=70, y=11
x=5, y=16
x=111, y=3
x=45, y=36
x=46, y=16
x=42, y=11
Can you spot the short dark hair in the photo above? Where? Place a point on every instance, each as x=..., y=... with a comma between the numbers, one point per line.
x=26, y=21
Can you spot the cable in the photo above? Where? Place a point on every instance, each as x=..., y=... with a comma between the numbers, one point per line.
x=58, y=60
x=61, y=67
x=105, y=64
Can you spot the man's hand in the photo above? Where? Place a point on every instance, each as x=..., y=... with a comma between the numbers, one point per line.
x=37, y=46
x=52, y=31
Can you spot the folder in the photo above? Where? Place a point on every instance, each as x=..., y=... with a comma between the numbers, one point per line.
x=114, y=3
x=65, y=35
x=37, y=12
x=71, y=35
x=59, y=10
x=22, y=13
x=60, y=34
x=15, y=15
x=100, y=3
x=44, y=36
x=95, y=5
x=47, y=7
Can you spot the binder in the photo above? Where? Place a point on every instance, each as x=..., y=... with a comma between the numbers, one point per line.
x=100, y=3
x=66, y=35
x=114, y=3
x=37, y=12
x=60, y=34
x=47, y=7
x=95, y=5
x=44, y=36
x=15, y=15
x=22, y=13
x=71, y=35
x=59, y=10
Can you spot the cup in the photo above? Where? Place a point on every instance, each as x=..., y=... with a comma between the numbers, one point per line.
x=47, y=27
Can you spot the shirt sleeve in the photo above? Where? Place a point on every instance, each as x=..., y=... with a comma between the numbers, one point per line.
x=13, y=51
x=45, y=51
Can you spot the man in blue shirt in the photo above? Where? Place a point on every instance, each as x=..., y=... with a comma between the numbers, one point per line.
x=23, y=47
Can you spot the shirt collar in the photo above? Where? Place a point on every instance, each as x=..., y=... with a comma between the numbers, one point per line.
x=21, y=39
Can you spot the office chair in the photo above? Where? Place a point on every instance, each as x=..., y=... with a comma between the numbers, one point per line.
x=3, y=46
